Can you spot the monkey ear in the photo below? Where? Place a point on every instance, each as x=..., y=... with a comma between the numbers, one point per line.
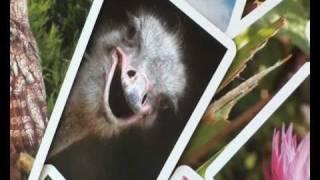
x=134, y=25
x=133, y=19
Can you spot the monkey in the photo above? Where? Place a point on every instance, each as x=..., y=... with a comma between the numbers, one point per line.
x=136, y=87
x=116, y=86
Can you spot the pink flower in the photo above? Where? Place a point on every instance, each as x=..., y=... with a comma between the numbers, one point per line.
x=289, y=161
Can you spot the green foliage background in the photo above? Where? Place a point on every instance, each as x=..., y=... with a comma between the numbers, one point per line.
x=56, y=25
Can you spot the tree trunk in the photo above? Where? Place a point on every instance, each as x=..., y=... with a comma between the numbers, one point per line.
x=28, y=109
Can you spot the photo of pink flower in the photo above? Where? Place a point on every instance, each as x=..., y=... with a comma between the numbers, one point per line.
x=290, y=160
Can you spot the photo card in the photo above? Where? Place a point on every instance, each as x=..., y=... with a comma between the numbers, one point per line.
x=244, y=92
x=287, y=128
x=232, y=16
x=219, y=12
x=212, y=167
x=140, y=79
x=254, y=125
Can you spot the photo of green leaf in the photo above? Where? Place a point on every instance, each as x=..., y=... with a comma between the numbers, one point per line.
x=268, y=53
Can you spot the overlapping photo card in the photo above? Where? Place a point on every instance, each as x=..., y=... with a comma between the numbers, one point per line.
x=272, y=60
x=145, y=77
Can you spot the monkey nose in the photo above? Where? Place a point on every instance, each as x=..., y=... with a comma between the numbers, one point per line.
x=135, y=99
x=135, y=84
x=136, y=90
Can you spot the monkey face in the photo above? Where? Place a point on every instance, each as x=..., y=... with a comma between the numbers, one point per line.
x=132, y=74
x=146, y=76
x=126, y=91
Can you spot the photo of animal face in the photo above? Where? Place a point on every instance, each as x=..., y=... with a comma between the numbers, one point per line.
x=144, y=70
x=134, y=90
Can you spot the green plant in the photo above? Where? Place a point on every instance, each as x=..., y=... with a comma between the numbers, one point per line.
x=56, y=26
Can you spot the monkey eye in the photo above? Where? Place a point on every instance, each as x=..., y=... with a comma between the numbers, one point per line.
x=131, y=32
x=131, y=73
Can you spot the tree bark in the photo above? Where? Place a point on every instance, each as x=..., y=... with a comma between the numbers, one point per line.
x=28, y=109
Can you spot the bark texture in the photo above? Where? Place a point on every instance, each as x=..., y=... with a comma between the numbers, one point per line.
x=28, y=109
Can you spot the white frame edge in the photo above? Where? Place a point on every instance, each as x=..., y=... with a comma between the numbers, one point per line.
x=236, y=15
x=238, y=26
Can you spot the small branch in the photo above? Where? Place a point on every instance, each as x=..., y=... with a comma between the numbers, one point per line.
x=198, y=155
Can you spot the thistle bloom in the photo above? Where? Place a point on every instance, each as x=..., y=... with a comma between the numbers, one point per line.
x=290, y=160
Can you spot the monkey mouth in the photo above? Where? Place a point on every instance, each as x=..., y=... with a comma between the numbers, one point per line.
x=117, y=101
x=117, y=108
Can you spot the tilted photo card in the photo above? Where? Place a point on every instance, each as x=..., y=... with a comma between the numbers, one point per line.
x=219, y=12
x=142, y=75
x=232, y=16
x=261, y=67
x=216, y=165
x=260, y=119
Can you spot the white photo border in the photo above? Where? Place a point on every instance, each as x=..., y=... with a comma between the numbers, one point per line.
x=194, y=119
x=235, y=17
x=238, y=24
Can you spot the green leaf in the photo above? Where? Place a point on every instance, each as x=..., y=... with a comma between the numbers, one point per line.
x=248, y=44
x=215, y=119
x=241, y=90
x=56, y=26
x=297, y=13
x=224, y=105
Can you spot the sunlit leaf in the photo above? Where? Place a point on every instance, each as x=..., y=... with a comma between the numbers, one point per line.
x=248, y=44
x=297, y=14
x=216, y=117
